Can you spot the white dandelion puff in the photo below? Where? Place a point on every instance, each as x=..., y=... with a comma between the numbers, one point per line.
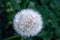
x=27, y=22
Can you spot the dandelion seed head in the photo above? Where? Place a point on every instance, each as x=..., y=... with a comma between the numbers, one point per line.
x=27, y=22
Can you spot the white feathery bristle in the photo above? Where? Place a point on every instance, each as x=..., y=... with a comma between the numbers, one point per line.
x=27, y=22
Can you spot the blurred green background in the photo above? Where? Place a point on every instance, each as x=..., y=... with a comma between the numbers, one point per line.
x=49, y=9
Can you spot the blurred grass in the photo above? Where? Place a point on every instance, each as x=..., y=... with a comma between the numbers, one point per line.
x=49, y=9
x=12, y=37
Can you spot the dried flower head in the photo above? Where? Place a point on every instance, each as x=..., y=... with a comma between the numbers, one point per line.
x=27, y=22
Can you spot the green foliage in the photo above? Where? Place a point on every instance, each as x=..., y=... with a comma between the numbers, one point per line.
x=49, y=9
